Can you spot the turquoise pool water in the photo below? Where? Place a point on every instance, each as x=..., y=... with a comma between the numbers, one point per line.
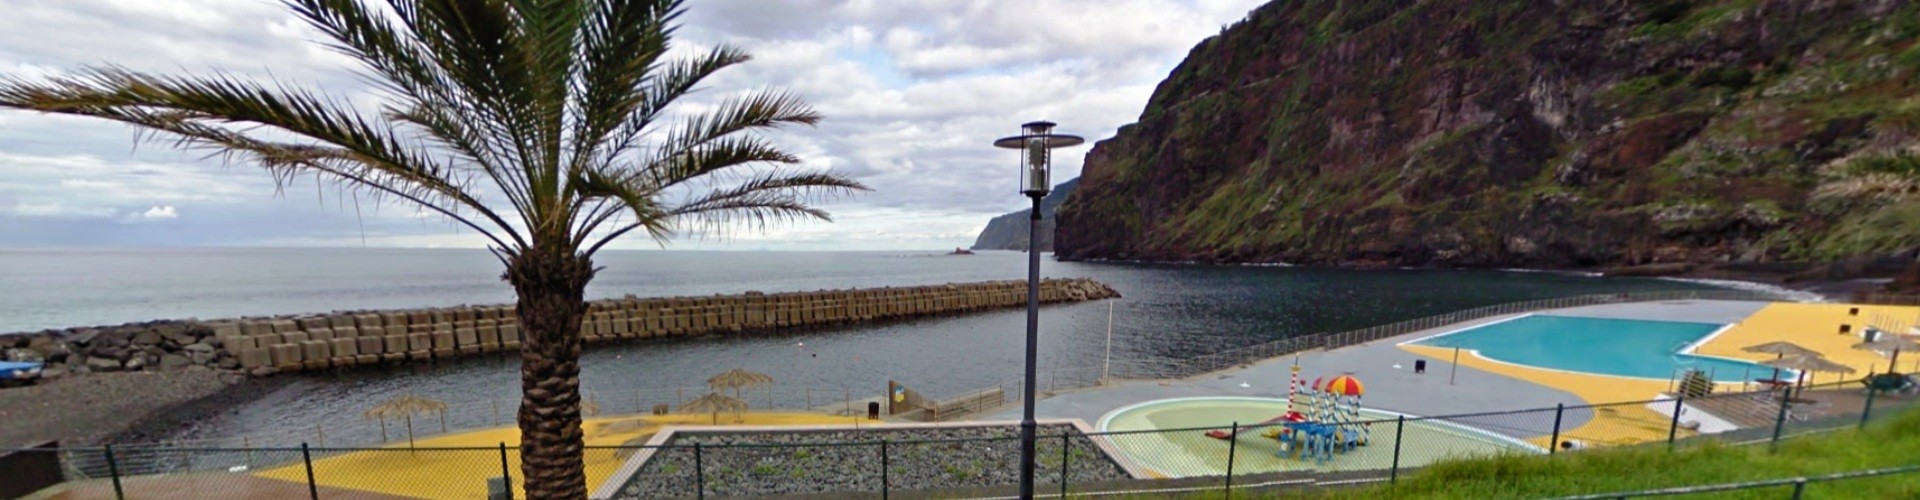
x=1622, y=347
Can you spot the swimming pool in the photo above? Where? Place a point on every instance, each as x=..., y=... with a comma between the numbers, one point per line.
x=1619, y=347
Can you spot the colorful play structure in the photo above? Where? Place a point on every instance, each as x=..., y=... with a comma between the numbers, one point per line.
x=1328, y=426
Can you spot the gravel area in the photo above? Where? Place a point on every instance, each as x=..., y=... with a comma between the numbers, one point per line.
x=791, y=463
x=94, y=408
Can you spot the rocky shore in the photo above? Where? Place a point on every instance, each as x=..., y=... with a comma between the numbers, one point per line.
x=108, y=407
x=795, y=463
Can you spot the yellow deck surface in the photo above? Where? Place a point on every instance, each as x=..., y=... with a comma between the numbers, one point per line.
x=1814, y=326
x=463, y=473
x=1623, y=424
x=1817, y=327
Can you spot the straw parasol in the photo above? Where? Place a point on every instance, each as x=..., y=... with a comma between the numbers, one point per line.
x=1780, y=350
x=1805, y=364
x=713, y=402
x=589, y=408
x=1889, y=342
x=737, y=379
x=404, y=407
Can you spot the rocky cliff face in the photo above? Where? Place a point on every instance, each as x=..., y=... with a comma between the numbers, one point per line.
x=1009, y=232
x=1522, y=133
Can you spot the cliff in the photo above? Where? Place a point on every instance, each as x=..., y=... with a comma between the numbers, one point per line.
x=1522, y=133
x=1009, y=232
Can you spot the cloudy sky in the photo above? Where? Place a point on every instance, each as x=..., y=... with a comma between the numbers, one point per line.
x=913, y=92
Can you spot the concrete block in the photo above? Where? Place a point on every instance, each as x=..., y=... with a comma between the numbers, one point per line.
x=366, y=359
x=345, y=347
x=510, y=334
x=286, y=355
x=488, y=335
x=366, y=320
x=240, y=343
x=312, y=322
x=466, y=337
x=463, y=315
x=255, y=327
x=316, y=350
x=419, y=342
x=284, y=326
x=390, y=318
x=320, y=334
x=441, y=315
x=370, y=345
x=393, y=330
x=225, y=330
x=397, y=344
x=419, y=317
x=255, y=357
x=293, y=337
x=349, y=331
x=443, y=339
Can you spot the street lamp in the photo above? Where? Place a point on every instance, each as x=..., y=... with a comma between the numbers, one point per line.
x=1035, y=141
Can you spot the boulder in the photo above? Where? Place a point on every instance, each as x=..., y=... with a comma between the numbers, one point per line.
x=148, y=337
x=174, y=361
x=228, y=363
x=51, y=372
x=83, y=336
x=137, y=363
x=99, y=364
x=200, y=347
x=25, y=355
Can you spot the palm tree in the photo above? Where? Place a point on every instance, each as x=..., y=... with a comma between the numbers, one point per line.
x=557, y=107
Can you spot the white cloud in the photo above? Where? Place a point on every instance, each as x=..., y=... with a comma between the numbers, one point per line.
x=913, y=93
x=160, y=212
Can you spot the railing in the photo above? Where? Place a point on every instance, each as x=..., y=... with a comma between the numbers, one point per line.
x=1071, y=378
x=874, y=461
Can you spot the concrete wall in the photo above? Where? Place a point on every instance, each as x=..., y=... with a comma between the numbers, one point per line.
x=268, y=345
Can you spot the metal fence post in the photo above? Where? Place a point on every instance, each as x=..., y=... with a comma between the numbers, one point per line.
x=1799, y=487
x=1866, y=411
x=313, y=489
x=699, y=474
x=113, y=469
x=1559, y=409
x=886, y=476
x=1399, y=428
x=1066, y=445
x=1233, y=439
x=1779, y=421
x=1673, y=426
x=506, y=474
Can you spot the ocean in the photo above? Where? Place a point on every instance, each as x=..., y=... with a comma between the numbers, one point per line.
x=1168, y=312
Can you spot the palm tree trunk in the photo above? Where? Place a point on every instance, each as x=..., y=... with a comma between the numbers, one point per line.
x=551, y=281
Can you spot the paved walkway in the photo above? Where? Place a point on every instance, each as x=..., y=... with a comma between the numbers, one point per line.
x=1387, y=372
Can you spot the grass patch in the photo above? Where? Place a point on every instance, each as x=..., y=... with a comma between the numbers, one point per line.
x=1887, y=443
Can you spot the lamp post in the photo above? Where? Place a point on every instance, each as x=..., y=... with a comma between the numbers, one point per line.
x=1035, y=141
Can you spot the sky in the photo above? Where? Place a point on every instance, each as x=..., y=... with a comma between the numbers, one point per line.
x=913, y=93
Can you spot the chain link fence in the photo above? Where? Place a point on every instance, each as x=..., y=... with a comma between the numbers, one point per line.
x=697, y=464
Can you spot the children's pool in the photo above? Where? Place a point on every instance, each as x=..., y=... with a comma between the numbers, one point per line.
x=1191, y=453
x=1604, y=346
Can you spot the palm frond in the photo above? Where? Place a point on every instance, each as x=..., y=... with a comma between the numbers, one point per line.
x=364, y=153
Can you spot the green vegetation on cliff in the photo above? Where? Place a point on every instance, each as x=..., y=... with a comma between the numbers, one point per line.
x=1522, y=133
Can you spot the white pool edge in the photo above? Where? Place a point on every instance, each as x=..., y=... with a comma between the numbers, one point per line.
x=1687, y=350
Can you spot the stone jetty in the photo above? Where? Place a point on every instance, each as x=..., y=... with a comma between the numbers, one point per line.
x=269, y=345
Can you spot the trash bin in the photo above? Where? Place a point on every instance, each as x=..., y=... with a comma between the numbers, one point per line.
x=1419, y=366
x=873, y=410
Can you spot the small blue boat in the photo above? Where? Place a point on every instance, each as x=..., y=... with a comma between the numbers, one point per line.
x=10, y=370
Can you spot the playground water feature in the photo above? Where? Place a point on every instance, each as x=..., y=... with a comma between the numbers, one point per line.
x=1148, y=433
x=1603, y=346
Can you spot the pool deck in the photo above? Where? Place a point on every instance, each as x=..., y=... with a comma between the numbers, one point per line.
x=1478, y=386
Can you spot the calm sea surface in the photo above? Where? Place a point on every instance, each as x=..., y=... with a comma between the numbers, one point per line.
x=1168, y=312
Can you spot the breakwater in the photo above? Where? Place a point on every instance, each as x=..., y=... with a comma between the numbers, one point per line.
x=268, y=345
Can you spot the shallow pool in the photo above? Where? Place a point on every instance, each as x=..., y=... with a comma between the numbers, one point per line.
x=1159, y=445
x=1605, y=346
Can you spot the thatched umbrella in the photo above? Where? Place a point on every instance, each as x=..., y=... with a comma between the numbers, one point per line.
x=1780, y=350
x=404, y=407
x=589, y=408
x=1889, y=342
x=1805, y=364
x=713, y=402
x=736, y=379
